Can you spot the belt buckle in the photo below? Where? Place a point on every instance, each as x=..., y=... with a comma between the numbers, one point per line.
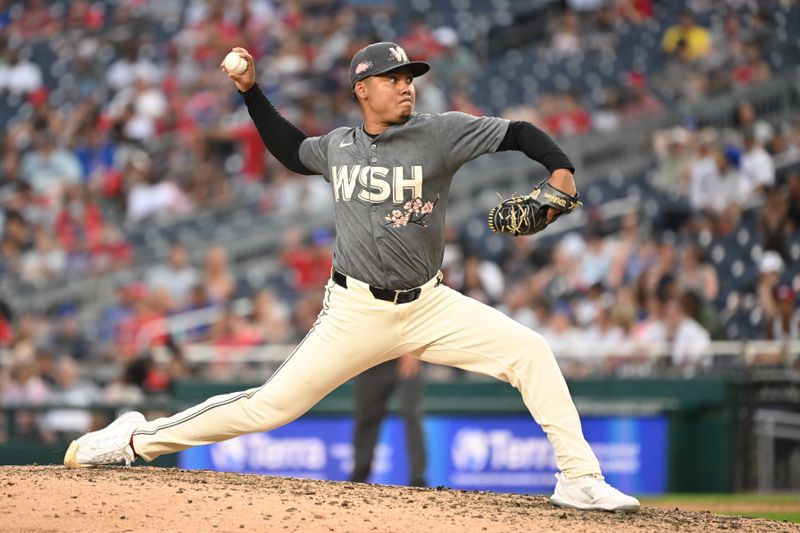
x=412, y=294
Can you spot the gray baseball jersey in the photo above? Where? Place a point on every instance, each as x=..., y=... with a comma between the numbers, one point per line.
x=390, y=191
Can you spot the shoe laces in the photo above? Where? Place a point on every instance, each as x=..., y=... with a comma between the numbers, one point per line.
x=106, y=450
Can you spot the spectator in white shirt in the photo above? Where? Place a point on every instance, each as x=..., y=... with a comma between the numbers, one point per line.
x=49, y=168
x=704, y=175
x=45, y=261
x=690, y=341
x=757, y=166
x=18, y=75
x=150, y=196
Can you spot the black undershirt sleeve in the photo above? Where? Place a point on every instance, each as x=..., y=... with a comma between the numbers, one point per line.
x=281, y=137
x=526, y=138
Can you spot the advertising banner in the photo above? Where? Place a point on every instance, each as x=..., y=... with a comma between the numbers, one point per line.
x=499, y=453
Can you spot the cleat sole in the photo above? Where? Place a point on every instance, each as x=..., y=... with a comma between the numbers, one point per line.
x=70, y=458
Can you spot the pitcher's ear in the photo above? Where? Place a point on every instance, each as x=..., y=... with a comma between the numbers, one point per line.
x=359, y=90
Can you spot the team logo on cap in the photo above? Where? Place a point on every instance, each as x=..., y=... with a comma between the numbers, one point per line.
x=363, y=67
x=398, y=54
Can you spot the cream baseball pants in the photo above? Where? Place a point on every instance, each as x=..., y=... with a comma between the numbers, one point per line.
x=355, y=331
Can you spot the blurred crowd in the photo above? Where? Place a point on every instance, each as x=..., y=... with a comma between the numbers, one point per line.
x=116, y=116
x=711, y=49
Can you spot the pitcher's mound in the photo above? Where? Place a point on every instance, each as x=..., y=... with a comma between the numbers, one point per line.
x=53, y=498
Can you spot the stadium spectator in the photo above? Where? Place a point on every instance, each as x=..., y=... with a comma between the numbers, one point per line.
x=24, y=387
x=71, y=396
x=751, y=69
x=728, y=197
x=704, y=175
x=115, y=313
x=420, y=40
x=639, y=102
x=198, y=301
x=607, y=116
x=270, y=317
x=461, y=101
x=310, y=266
x=112, y=253
x=456, y=65
x=770, y=268
x=68, y=339
x=79, y=223
x=21, y=388
x=565, y=40
x=690, y=341
x=49, y=168
x=728, y=41
x=681, y=79
x=785, y=325
x=564, y=114
x=177, y=275
x=145, y=325
x=150, y=195
x=635, y=11
x=564, y=337
x=674, y=156
x=516, y=304
x=757, y=167
x=697, y=274
x=483, y=280
x=695, y=38
x=36, y=22
x=746, y=120
x=232, y=330
x=18, y=75
x=44, y=261
x=217, y=277
x=627, y=244
x=772, y=222
x=596, y=260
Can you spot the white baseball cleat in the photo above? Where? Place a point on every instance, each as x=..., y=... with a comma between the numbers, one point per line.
x=107, y=446
x=591, y=493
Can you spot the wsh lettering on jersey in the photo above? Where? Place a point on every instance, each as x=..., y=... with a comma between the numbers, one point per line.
x=377, y=184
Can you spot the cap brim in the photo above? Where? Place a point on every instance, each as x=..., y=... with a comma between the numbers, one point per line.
x=417, y=68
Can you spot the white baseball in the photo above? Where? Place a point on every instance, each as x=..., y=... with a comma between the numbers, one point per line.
x=234, y=63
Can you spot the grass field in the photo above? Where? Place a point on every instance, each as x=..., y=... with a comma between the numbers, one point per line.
x=784, y=506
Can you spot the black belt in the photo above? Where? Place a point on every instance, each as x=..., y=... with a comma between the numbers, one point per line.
x=396, y=297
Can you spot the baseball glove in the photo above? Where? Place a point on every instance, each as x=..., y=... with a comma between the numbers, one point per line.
x=526, y=215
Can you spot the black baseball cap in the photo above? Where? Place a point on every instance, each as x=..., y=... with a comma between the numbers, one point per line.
x=380, y=58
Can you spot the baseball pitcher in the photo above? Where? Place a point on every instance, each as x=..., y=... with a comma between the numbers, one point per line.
x=389, y=180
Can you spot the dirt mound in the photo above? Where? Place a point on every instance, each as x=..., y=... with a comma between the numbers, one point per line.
x=52, y=498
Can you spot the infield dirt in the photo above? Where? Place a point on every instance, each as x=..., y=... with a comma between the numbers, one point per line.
x=52, y=498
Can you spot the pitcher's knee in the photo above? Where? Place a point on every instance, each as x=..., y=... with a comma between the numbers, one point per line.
x=531, y=350
x=539, y=345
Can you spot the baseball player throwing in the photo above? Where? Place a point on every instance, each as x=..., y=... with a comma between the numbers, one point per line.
x=389, y=181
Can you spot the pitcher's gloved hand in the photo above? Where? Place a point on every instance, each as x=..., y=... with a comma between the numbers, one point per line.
x=526, y=215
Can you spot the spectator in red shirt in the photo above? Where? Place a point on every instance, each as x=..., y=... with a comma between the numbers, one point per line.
x=420, y=42
x=564, y=115
x=310, y=265
x=80, y=221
